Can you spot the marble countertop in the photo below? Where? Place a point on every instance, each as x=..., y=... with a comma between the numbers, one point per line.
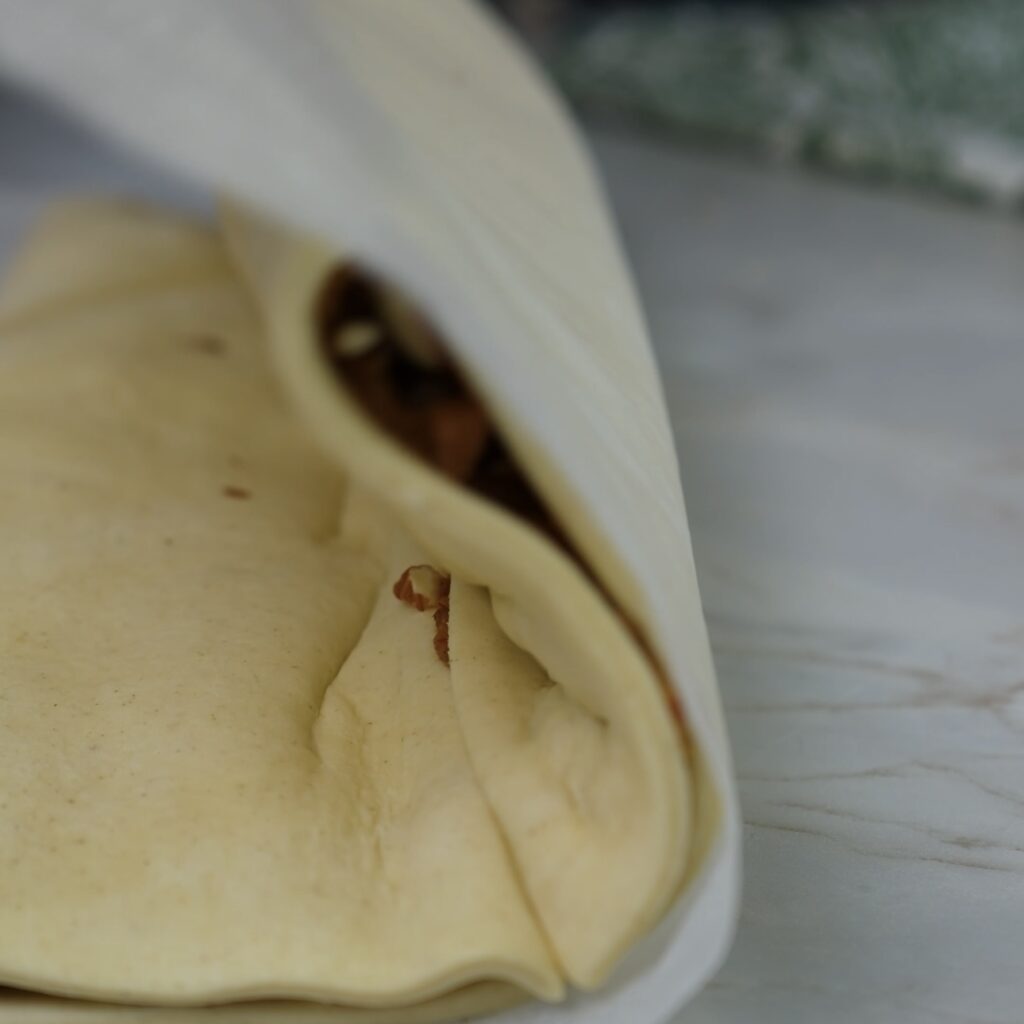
x=844, y=372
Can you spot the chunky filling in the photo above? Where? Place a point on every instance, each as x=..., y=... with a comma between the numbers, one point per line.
x=424, y=588
x=396, y=367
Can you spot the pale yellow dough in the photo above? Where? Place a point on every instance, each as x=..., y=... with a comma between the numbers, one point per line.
x=230, y=763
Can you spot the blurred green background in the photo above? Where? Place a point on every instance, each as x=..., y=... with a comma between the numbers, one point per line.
x=924, y=93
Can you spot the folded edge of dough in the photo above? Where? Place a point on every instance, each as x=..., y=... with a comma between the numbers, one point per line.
x=594, y=903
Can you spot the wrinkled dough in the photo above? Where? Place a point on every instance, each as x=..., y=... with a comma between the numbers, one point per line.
x=195, y=803
x=560, y=780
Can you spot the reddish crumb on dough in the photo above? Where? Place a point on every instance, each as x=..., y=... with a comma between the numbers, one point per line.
x=674, y=707
x=208, y=344
x=441, y=623
x=422, y=587
x=419, y=587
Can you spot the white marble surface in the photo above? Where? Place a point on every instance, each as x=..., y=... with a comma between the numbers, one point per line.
x=844, y=372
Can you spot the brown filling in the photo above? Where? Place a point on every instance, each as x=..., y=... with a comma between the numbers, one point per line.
x=395, y=365
x=410, y=387
x=424, y=588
